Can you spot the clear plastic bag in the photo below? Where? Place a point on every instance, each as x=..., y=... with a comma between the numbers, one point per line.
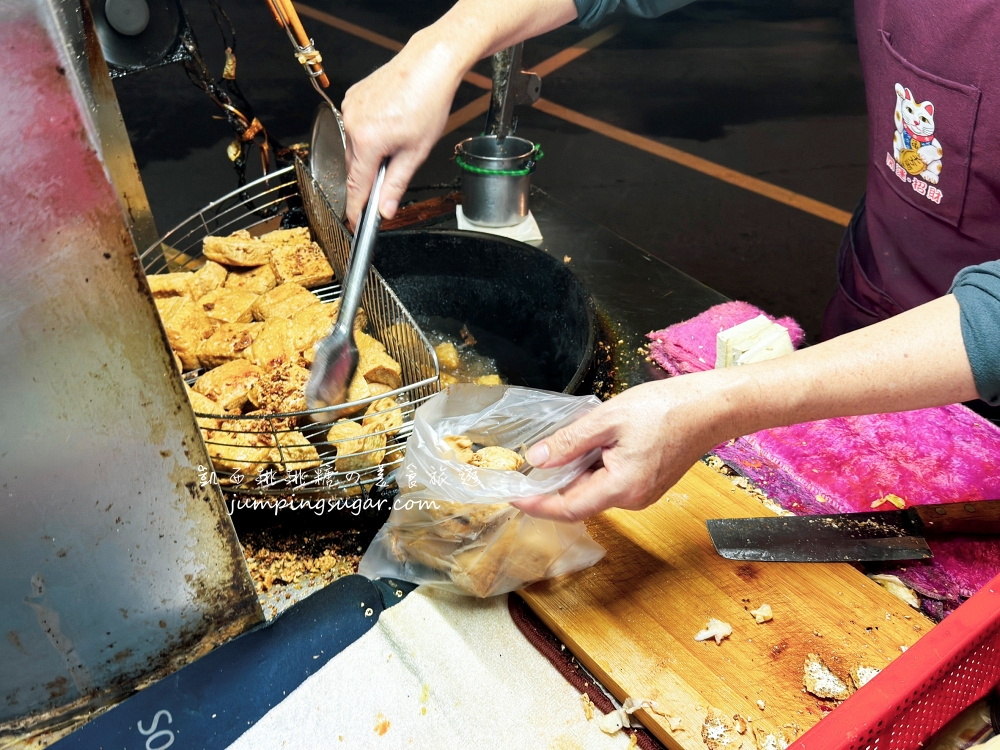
x=452, y=524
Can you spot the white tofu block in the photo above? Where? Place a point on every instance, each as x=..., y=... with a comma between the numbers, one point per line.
x=755, y=340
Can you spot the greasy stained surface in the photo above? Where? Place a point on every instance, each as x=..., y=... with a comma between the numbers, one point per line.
x=770, y=89
x=117, y=563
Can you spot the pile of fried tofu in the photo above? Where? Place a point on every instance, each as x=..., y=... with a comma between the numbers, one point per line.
x=247, y=317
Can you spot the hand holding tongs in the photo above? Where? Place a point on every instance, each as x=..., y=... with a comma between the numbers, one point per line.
x=337, y=355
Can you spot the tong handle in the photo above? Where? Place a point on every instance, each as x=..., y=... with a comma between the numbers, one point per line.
x=362, y=249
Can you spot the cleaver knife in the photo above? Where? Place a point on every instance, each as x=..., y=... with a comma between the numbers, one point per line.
x=851, y=537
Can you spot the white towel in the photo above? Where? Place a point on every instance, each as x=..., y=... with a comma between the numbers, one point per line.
x=438, y=671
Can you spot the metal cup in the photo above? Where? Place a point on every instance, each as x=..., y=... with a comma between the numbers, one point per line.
x=497, y=199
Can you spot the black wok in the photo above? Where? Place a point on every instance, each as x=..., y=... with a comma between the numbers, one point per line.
x=526, y=309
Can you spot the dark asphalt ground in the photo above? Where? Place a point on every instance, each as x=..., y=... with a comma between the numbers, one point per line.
x=771, y=88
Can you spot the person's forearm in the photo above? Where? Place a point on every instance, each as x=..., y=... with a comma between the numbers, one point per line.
x=474, y=29
x=912, y=361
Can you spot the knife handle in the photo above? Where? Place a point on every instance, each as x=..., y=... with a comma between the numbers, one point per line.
x=980, y=518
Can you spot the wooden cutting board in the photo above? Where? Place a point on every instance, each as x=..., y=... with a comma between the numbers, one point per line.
x=632, y=618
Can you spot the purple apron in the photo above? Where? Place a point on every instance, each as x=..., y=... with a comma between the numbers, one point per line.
x=932, y=206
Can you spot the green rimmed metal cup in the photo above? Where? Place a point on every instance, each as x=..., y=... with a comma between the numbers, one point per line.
x=496, y=178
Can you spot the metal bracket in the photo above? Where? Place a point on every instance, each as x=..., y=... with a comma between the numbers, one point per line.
x=511, y=87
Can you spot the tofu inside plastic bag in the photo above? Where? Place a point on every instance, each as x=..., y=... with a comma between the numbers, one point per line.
x=452, y=525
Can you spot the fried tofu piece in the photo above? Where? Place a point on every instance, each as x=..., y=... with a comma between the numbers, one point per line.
x=821, y=682
x=280, y=390
x=230, y=341
x=187, y=326
x=497, y=458
x=294, y=452
x=210, y=276
x=229, y=385
x=306, y=265
x=283, y=302
x=345, y=429
x=238, y=249
x=477, y=569
x=164, y=285
x=243, y=445
x=177, y=361
x=228, y=306
x=314, y=322
x=280, y=237
x=448, y=379
x=393, y=455
x=378, y=367
x=488, y=380
x=377, y=389
x=447, y=355
x=274, y=345
x=386, y=414
x=204, y=405
x=462, y=447
x=363, y=452
x=404, y=343
x=255, y=280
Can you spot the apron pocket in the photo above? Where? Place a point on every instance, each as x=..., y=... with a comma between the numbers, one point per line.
x=922, y=133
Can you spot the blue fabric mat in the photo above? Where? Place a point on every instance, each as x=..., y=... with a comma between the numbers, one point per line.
x=210, y=703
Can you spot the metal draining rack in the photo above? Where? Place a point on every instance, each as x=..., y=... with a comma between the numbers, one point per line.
x=290, y=197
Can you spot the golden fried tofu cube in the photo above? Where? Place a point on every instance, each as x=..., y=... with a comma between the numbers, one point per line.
x=256, y=280
x=489, y=380
x=386, y=414
x=164, y=285
x=230, y=341
x=363, y=452
x=345, y=429
x=210, y=276
x=281, y=389
x=243, y=445
x=280, y=237
x=228, y=306
x=229, y=385
x=204, y=405
x=447, y=355
x=283, y=302
x=497, y=458
x=294, y=452
x=379, y=367
x=314, y=322
x=448, y=379
x=238, y=249
x=403, y=342
x=462, y=447
x=274, y=345
x=377, y=389
x=187, y=326
x=306, y=265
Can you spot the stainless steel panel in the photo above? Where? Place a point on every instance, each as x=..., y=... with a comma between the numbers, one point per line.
x=115, y=563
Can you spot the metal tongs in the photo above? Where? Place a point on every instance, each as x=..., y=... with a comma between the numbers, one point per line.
x=337, y=355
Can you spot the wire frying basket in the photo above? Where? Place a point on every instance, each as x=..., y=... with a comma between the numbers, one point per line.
x=288, y=453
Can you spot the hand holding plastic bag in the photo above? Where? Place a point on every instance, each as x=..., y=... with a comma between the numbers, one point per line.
x=453, y=525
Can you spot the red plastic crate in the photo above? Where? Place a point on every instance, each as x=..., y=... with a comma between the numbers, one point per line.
x=951, y=667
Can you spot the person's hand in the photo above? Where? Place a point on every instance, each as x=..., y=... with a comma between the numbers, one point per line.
x=649, y=436
x=398, y=111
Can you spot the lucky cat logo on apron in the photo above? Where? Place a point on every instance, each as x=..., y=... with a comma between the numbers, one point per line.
x=916, y=157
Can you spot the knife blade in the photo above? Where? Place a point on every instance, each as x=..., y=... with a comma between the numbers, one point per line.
x=851, y=537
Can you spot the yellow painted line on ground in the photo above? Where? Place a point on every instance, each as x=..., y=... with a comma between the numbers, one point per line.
x=479, y=106
x=476, y=108
x=710, y=168
x=580, y=48
x=350, y=28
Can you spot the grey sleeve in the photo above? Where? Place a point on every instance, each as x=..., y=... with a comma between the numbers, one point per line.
x=977, y=290
x=590, y=12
